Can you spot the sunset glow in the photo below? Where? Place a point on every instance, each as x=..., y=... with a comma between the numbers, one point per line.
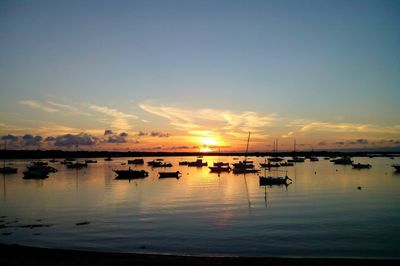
x=167, y=84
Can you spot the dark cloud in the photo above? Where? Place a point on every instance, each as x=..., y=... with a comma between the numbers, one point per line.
x=108, y=132
x=159, y=134
x=339, y=142
x=9, y=137
x=29, y=140
x=50, y=138
x=322, y=143
x=182, y=147
x=358, y=142
x=79, y=139
x=116, y=139
x=153, y=134
x=142, y=134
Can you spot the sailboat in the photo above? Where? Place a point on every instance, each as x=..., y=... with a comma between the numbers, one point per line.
x=6, y=169
x=245, y=166
x=274, y=180
x=275, y=158
x=220, y=166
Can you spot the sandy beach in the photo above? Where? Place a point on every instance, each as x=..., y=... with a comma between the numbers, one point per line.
x=22, y=255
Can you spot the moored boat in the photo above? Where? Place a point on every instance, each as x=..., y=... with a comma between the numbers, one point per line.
x=38, y=172
x=8, y=170
x=343, y=161
x=397, y=167
x=76, y=165
x=286, y=164
x=220, y=164
x=219, y=169
x=198, y=163
x=161, y=164
x=361, y=166
x=136, y=161
x=296, y=159
x=176, y=174
x=130, y=174
x=273, y=180
x=269, y=165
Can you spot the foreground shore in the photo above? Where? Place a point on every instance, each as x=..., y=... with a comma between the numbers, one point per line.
x=22, y=255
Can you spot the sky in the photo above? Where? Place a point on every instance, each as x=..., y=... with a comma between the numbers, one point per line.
x=196, y=75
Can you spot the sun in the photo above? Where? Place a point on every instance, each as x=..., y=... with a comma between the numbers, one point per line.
x=208, y=144
x=208, y=141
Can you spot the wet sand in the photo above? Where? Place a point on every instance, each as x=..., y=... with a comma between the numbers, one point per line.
x=22, y=255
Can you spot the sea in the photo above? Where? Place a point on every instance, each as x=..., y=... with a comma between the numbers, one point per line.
x=327, y=210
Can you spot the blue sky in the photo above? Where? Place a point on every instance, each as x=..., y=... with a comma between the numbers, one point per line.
x=332, y=62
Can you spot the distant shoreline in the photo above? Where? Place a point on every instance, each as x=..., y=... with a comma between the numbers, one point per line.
x=23, y=255
x=49, y=154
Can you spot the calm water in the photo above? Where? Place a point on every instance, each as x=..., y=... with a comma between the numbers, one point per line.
x=321, y=214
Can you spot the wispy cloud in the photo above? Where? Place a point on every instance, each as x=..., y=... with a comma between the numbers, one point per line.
x=208, y=118
x=306, y=126
x=37, y=105
x=119, y=119
x=69, y=108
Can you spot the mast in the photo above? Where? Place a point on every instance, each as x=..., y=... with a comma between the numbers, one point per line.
x=247, y=148
x=5, y=148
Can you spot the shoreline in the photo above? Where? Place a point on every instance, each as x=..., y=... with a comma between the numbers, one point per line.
x=57, y=154
x=23, y=255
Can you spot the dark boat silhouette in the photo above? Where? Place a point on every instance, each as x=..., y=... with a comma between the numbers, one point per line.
x=130, y=174
x=176, y=174
x=136, y=161
x=274, y=180
x=219, y=169
x=361, y=166
x=343, y=161
x=197, y=163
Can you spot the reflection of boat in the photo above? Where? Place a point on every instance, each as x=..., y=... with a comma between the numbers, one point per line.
x=219, y=169
x=90, y=161
x=397, y=167
x=136, y=161
x=274, y=180
x=130, y=174
x=313, y=159
x=176, y=174
x=198, y=163
x=53, y=161
x=109, y=159
x=183, y=163
x=361, y=166
x=343, y=161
